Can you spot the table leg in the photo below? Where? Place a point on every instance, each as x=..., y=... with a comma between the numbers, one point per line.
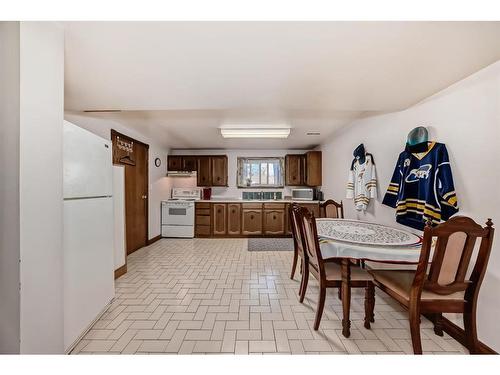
x=346, y=297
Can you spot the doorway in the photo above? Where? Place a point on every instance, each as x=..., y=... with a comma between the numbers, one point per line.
x=134, y=156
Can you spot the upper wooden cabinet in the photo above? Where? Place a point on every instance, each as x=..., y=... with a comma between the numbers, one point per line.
x=294, y=170
x=313, y=170
x=189, y=163
x=174, y=163
x=204, y=171
x=211, y=169
x=219, y=170
x=303, y=169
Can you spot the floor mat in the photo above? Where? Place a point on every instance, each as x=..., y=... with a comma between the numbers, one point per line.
x=270, y=244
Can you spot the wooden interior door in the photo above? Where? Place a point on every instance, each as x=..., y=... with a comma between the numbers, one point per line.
x=136, y=188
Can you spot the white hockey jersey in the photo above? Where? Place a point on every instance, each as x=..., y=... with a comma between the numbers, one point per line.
x=362, y=183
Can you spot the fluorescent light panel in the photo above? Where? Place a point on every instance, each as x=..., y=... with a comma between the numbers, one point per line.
x=254, y=131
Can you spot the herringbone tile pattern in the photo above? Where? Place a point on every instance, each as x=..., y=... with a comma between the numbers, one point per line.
x=213, y=296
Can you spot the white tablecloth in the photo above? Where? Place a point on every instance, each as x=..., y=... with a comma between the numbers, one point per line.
x=340, y=249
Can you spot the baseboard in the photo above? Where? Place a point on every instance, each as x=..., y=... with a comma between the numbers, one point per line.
x=458, y=334
x=121, y=271
x=154, y=239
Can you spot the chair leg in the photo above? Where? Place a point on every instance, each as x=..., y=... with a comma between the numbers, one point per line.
x=321, y=305
x=438, y=324
x=369, y=304
x=415, y=329
x=471, y=330
x=294, y=263
x=340, y=294
x=305, y=280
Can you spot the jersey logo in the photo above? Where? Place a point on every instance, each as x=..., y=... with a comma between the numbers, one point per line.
x=419, y=173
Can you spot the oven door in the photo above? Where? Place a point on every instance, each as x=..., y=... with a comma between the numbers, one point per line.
x=177, y=213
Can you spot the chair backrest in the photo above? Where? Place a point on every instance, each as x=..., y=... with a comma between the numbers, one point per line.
x=454, y=245
x=298, y=239
x=331, y=209
x=311, y=242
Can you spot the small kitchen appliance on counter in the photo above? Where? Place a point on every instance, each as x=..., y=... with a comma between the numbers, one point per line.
x=303, y=194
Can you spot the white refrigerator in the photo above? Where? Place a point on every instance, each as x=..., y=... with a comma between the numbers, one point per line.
x=88, y=230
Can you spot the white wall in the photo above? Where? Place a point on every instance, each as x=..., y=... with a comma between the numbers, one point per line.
x=159, y=185
x=232, y=191
x=9, y=187
x=466, y=117
x=41, y=184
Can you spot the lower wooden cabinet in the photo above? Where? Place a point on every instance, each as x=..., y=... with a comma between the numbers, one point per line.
x=251, y=221
x=233, y=219
x=203, y=216
x=219, y=219
x=274, y=221
x=245, y=219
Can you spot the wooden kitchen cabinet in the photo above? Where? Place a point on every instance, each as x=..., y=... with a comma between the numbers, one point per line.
x=174, y=163
x=313, y=169
x=189, y=163
x=312, y=207
x=303, y=169
x=251, y=219
x=294, y=170
x=203, y=217
x=274, y=221
x=288, y=223
x=219, y=219
x=219, y=170
x=233, y=219
x=204, y=175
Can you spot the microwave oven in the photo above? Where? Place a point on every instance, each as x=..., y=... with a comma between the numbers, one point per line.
x=302, y=194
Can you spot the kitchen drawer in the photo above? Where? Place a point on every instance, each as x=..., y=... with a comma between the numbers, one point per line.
x=252, y=205
x=202, y=220
x=202, y=205
x=202, y=230
x=203, y=211
x=274, y=206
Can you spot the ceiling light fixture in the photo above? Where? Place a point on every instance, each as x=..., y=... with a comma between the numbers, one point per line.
x=255, y=131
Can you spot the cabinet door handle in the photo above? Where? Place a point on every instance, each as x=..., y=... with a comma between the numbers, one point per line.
x=274, y=217
x=251, y=216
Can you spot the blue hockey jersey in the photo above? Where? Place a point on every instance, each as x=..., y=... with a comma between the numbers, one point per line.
x=422, y=188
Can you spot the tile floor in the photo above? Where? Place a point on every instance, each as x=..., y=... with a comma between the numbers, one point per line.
x=206, y=296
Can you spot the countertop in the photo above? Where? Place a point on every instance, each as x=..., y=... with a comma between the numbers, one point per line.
x=232, y=200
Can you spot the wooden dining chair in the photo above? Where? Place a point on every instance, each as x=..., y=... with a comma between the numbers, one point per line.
x=331, y=209
x=327, y=273
x=445, y=286
x=298, y=249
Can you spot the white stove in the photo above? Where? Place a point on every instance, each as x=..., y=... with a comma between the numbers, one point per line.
x=177, y=213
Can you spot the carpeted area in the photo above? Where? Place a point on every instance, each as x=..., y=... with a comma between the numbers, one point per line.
x=270, y=244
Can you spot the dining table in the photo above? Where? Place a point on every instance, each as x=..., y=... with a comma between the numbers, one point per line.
x=347, y=240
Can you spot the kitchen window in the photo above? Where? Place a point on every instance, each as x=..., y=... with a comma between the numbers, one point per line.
x=260, y=172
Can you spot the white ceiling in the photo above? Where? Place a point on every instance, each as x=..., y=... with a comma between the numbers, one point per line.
x=181, y=80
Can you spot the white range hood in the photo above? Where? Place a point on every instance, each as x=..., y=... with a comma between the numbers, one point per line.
x=181, y=174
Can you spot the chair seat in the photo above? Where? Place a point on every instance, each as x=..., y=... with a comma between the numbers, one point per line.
x=400, y=281
x=334, y=272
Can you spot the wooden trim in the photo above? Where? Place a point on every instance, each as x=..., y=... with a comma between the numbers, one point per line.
x=458, y=334
x=121, y=271
x=114, y=132
x=154, y=239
